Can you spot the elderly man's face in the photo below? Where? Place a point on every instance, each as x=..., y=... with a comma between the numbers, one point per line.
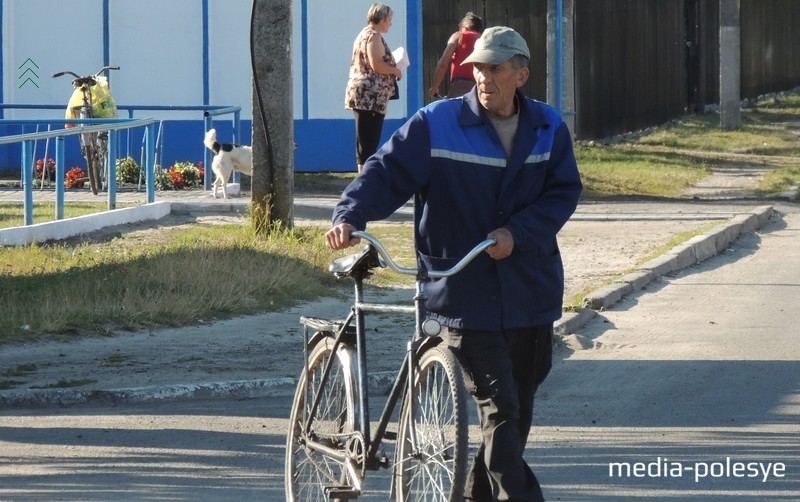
x=497, y=84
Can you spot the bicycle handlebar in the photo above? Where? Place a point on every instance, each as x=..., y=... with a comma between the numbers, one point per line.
x=413, y=271
x=101, y=70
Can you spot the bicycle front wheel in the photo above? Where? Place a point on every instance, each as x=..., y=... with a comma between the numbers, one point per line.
x=432, y=443
x=309, y=470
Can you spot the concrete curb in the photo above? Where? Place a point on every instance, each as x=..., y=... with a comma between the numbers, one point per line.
x=693, y=251
x=682, y=256
x=70, y=227
x=378, y=384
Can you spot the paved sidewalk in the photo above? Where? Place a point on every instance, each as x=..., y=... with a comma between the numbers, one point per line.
x=668, y=394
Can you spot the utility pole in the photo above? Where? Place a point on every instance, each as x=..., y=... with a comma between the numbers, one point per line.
x=560, y=57
x=730, y=115
x=273, y=130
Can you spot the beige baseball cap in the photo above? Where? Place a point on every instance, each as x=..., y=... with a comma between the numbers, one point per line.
x=497, y=45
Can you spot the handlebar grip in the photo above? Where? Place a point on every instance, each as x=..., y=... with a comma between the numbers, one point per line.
x=62, y=73
x=105, y=68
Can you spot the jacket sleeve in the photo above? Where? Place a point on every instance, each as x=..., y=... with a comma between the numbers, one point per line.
x=397, y=171
x=539, y=222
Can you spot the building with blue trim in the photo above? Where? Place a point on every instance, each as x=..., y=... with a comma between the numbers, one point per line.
x=196, y=52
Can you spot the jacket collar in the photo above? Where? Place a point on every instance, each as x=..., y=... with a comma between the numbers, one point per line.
x=472, y=113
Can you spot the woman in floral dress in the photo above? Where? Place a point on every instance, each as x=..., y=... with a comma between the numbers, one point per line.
x=373, y=74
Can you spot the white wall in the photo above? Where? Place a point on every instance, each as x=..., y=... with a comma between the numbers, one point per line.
x=230, y=77
x=158, y=44
x=159, y=47
x=44, y=30
x=332, y=28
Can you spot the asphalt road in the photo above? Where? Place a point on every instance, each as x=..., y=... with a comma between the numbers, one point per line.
x=689, y=390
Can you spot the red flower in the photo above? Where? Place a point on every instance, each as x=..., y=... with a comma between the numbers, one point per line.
x=177, y=179
x=51, y=169
x=75, y=178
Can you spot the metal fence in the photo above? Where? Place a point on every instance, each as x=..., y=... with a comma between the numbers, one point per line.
x=84, y=126
x=629, y=65
x=210, y=112
x=639, y=63
x=440, y=20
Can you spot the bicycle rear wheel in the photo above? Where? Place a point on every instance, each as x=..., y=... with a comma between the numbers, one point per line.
x=432, y=444
x=89, y=151
x=101, y=159
x=309, y=470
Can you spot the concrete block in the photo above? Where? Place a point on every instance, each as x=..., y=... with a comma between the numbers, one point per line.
x=234, y=189
x=704, y=246
x=662, y=265
x=571, y=322
x=763, y=213
x=748, y=222
x=727, y=234
x=684, y=256
x=69, y=227
x=638, y=280
x=606, y=296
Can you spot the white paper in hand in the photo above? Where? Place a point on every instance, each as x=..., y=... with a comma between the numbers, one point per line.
x=401, y=58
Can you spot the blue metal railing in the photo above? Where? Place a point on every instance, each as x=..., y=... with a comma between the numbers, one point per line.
x=84, y=126
x=209, y=112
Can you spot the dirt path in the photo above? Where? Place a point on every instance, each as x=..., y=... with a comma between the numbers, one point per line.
x=269, y=346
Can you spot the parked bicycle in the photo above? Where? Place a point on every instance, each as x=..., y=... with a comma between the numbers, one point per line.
x=91, y=98
x=329, y=444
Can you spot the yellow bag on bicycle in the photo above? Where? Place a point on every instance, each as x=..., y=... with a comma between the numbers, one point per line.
x=103, y=104
x=74, y=106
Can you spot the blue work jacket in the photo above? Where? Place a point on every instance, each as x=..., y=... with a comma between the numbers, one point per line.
x=450, y=159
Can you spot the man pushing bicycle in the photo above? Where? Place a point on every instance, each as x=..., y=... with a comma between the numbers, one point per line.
x=491, y=164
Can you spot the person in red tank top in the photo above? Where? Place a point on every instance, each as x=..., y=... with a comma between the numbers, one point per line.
x=459, y=46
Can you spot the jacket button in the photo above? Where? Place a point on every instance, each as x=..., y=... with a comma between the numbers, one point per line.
x=501, y=213
x=492, y=298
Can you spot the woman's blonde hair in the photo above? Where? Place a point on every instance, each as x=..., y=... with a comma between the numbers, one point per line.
x=378, y=12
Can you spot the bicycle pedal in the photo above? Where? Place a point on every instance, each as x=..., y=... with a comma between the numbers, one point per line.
x=383, y=462
x=342, y=492
x=390, y=435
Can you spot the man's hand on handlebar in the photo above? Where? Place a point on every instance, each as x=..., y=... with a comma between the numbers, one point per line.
x=338, y=237
x=504, y=246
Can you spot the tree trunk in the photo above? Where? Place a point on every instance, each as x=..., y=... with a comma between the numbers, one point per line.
x=273, y=132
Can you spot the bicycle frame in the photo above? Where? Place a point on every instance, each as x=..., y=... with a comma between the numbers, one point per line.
x=357, y=313
x=406, y=374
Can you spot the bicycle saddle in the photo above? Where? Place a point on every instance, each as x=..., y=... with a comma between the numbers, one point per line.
x=356, y=264
x=87, y=81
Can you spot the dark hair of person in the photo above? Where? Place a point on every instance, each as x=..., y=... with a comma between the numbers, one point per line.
x=519, y=61
x=471, y=22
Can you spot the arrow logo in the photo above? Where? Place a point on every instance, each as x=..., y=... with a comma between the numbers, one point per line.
x=28, y=69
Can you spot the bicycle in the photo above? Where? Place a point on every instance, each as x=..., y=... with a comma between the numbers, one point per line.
x=91, y=98
x=329, y=447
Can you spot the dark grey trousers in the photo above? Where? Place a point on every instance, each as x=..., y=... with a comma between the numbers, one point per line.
x=503, y=371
